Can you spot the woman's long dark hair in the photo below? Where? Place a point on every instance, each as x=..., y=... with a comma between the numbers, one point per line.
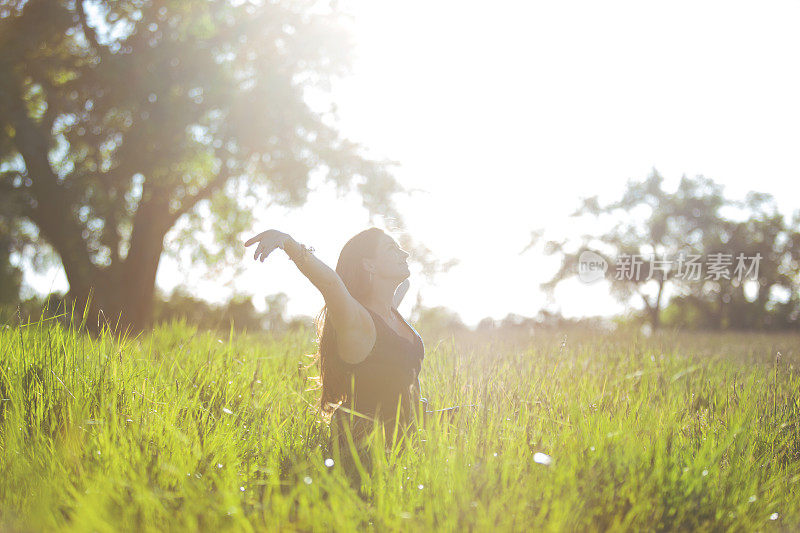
x=332, y=375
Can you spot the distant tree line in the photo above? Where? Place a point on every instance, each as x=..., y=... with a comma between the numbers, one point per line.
x=238, y=312
x=432, y=323
x=665, y=230
x=440, y=322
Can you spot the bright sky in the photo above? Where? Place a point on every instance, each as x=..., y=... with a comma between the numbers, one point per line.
x=506, y=114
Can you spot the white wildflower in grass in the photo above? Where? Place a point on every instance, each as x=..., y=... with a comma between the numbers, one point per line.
x=227, y=411
x=329, y=462
x=420, y=486
x=542, y=459
x=705, y=473
x=773, y=516
x=219, y=465
x=241, y=489
x=307, y=480
x=752, y=498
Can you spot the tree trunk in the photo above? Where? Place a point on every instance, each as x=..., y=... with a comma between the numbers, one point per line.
x=654, y=310
x=122, y=294
x=137, y=282
x=655, y=318
x=138, y=286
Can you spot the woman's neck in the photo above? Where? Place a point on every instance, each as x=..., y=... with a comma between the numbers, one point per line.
x=380, y=299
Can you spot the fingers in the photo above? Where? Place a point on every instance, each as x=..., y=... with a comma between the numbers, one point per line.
x=265, y=253
x=263, y=250
x=255, y=239
x=267, y=242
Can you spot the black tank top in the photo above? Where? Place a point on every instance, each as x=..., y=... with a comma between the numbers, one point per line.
x=386, y=375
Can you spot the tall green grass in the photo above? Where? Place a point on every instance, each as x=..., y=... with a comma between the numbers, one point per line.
x=182, y=430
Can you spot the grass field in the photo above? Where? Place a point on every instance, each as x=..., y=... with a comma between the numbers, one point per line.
x=183, y=430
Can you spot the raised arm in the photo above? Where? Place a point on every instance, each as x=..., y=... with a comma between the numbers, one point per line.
x=317, y=272
x=355, y=330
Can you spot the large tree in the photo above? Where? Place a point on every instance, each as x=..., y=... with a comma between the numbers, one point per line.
x=664, y=231
x=119, y=120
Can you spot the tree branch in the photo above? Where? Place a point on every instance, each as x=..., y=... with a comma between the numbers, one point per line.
x=212, y=186
x=88, y=31
x=52, y=212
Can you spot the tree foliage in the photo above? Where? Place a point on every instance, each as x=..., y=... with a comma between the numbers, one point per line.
x=664, y=227
x=122, y=120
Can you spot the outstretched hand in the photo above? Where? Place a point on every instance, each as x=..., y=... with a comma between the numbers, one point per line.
x=267, y=242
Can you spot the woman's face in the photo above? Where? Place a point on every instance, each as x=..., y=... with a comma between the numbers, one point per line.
x=390, y=260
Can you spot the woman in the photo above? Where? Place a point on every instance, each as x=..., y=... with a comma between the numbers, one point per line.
x=369, y=357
